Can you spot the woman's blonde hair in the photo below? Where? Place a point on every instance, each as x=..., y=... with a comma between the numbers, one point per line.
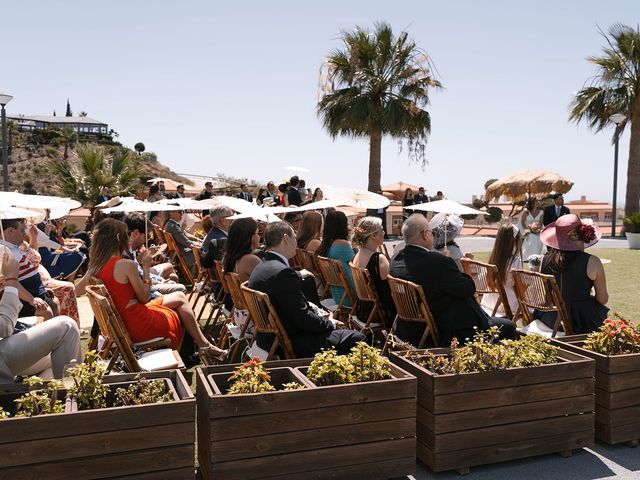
x=110, y=237
x=366, y=228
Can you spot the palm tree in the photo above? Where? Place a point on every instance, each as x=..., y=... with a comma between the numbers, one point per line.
x=616, y=89
x=68, y=137
x=83, y=179
x=377, y=85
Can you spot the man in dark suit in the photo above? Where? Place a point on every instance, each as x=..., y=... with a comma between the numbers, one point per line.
x=244, y=193
x=293, y=196
x=213, y=243
x=555, y=211
x=309, y=332
x=421, y=197
x=449, y=292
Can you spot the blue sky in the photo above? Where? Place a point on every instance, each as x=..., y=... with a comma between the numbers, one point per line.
x=214, y=87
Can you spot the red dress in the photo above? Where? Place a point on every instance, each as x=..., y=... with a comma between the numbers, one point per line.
x=144, y=321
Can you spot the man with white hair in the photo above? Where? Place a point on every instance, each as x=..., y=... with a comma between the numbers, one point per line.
x=213, y=244
x=449, y=292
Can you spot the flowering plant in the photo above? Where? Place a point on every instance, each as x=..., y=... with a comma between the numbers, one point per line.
x=616, y=336
x=585, y=233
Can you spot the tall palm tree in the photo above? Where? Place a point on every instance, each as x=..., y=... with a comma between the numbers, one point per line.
x=68, y=137
x=616, y=89
x=83, y=179
x=377, y=85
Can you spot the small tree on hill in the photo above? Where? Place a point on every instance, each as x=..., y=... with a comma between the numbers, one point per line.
x=69, y=112
x=139, y=147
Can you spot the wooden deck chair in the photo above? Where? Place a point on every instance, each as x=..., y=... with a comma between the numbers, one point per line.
x=202, y=281
x=366, y=293
x=540, y=292
x=179, y=254
x=158, y=233
x=487, y=280
x=232, y=333
x=266, y=320
x=411, y=306
x=385, y=251
x=308, y=261
x=153, y=357
x=334, y=275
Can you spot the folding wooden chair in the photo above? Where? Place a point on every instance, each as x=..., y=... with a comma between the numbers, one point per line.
x=114, y=330
x=411, y=306
x=366, y=293
x=385, y=251
x=540, y=292
x=308, y=261
x=231, y=332
x=487, y=280
x=179, y=254
x=334, y=275
x=202, y=281
x=158, y=233
x=266, y=320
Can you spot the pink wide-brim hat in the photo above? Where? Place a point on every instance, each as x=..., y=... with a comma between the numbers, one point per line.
x=557, y=234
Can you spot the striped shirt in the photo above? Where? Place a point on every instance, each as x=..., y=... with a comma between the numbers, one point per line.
x=26, y=269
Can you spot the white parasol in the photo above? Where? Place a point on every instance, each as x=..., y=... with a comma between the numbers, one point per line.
x=352, y=197
x=10, y=213
x=319, y=205
x=240, y=205
x=446, y=206
x=37, y=201
x=295, y=168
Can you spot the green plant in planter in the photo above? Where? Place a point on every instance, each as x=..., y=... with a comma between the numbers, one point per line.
x=3, y=414
x=88, y=390
x=143, y=392
x=250, y=377
x=288, y=387
x=486, y=353
x=329, y=368
x=632, y=223
x=616, y=336
x=368, y=364
x=41, y=399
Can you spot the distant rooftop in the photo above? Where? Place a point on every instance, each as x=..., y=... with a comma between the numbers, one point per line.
x=56, y=119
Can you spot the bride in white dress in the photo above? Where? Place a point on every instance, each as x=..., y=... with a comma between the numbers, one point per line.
x=530, y=226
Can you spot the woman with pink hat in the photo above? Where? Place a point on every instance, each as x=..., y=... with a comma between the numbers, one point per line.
x=576, y=272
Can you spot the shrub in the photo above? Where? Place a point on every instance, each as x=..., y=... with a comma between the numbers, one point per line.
x=616, y=336
x=632, y=223
x=250, y=377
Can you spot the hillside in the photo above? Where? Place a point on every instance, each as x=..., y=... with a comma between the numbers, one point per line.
x=31, y=152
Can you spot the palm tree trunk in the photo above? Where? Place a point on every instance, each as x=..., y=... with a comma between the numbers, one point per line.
x=375, y=149
x=632, y=200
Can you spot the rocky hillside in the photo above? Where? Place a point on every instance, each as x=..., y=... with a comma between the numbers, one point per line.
x=31, y=153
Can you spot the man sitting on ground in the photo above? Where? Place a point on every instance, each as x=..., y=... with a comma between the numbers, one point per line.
x=448, y=291
x=308, y=331
x=57, y=337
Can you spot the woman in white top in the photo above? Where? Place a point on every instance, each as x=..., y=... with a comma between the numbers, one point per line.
x=506, y=256
x=530, y=227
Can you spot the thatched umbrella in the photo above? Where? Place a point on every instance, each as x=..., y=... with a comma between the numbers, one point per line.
x=519, y=186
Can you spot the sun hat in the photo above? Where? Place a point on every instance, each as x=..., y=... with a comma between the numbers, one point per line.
x=570, y=233
x=445, y=226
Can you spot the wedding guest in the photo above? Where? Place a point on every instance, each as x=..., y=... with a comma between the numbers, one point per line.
x=302, y=190
x=309, y=332
x=213, y=243
x=294, y=219
x=154, y=194
x=104, y=195
x=317, y=195
x=293, y=196
x=449, y=292
x=183, y=240
x=506, y=256
x=262, y=195
x=244, y=193
x=421, y=197
x=179, y=191
x=555, y=211
x=310, y=231
x=576, y=272
x=368, y=236
x=445, y=228
x=207, y=193
x=335, y=244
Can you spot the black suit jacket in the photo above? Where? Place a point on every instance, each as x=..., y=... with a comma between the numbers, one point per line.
x=284, y=287
x=449, y=292
x=549, y=215
x=213, y=247
x=241, y=195
x=293, y=196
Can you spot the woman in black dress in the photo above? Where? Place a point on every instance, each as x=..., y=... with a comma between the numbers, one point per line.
x=576, y=272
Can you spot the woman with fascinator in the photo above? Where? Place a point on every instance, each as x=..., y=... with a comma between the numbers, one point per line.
x=576, y=272
x=446, y=227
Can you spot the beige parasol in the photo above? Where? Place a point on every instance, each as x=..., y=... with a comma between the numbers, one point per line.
x=518, y=186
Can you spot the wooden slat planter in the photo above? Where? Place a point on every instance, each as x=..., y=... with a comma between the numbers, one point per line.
x=363, y=430
x=617, y=392
x=141, y=441
x=479, y=418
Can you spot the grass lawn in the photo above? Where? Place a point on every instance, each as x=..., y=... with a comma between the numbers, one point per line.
x=623, y=279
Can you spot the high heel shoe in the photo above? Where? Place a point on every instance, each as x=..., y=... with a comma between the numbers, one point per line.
x=208, y=355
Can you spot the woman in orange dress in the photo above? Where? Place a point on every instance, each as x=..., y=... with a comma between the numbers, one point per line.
x=163, y=316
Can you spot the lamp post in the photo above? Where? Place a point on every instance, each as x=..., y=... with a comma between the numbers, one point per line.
x=617, y=118
x=4, y=99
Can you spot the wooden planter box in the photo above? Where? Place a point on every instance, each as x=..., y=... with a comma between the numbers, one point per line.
x=141, y=441
x=617, y=392
x=364, y=430
x=479, y=418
